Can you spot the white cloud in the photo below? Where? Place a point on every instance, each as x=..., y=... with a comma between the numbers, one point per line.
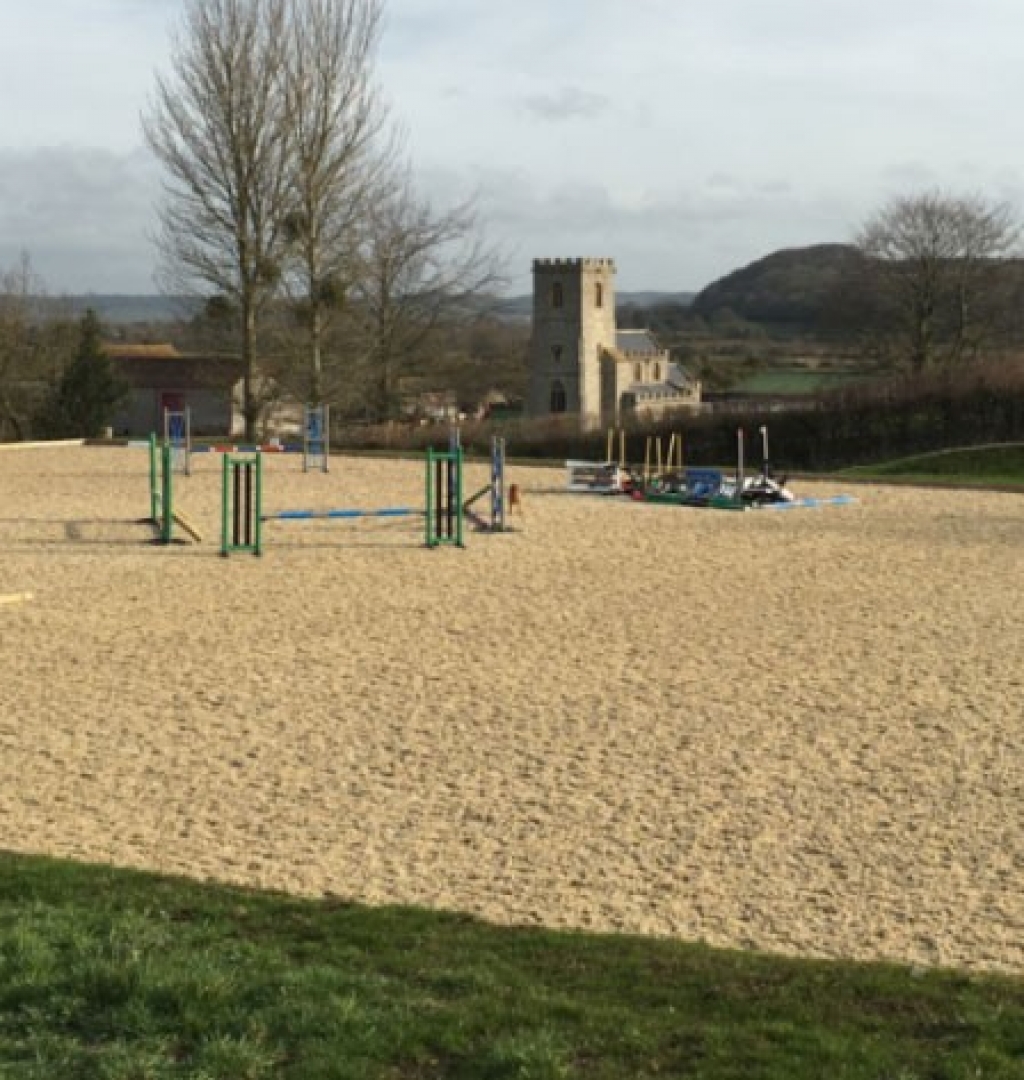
x=567, y=103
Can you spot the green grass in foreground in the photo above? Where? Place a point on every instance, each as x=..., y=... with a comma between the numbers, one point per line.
x=1000, y=466
x=124, y=976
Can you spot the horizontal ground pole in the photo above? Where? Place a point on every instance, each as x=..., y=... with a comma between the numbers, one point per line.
x=809, y=503
x=15, y=598
x=249, y=448
x=307, y=515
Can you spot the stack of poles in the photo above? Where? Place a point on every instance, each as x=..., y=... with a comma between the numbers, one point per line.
x=161, y=490
x=655, y=466
x=242, y=504
x=620, y=433
x=178, y=436
x=316, y=437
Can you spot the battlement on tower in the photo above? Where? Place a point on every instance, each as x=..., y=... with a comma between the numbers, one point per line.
x=555, y=265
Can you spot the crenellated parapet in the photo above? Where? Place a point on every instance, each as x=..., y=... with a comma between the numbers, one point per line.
x=557, y=265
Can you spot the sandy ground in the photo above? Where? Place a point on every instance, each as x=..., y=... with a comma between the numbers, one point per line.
x=799, y=732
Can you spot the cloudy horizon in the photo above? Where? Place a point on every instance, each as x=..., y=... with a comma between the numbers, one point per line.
x=683, y=144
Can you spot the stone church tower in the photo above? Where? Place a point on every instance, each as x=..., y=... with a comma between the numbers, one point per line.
x=573, y=328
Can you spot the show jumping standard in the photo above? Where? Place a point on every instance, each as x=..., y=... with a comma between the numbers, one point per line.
x=316, y=437
x=178, y=436
x=241, y=525
x=162, y=514
x=495, y=488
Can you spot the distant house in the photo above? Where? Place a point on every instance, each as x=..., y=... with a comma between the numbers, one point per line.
x=159, y=377
x=582, y=364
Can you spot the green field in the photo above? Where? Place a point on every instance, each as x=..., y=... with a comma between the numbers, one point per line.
x=124, y=976
x=1000, y=465
x=792, y=381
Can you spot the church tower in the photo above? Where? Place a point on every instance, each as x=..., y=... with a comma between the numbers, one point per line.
x=573, y=325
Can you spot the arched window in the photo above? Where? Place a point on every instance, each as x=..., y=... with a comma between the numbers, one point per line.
x=556, y=353
x=638, y=373
x=599, y=295
x=558, y=401
x=557, y=296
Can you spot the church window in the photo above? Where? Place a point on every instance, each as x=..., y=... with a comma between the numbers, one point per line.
x=557, y=295
x=558, y=399
x=599, y=295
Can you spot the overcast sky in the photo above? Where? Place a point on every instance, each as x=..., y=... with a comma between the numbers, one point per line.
x=682, y=139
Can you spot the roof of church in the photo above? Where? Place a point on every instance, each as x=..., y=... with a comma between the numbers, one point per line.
x=676, y=382
x=637, y=342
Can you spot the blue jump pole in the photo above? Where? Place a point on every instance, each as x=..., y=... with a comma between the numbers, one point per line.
x=310, y=515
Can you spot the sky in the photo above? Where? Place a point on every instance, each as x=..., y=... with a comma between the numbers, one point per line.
x=684, y=140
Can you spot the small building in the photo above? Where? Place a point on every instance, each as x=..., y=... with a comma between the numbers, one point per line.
x=581, y=363
x=159, y=377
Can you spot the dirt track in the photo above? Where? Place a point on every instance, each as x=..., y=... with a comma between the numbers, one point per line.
x=801, y=732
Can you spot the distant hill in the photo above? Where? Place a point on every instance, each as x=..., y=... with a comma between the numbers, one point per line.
x=790, y=287
x=115, y=310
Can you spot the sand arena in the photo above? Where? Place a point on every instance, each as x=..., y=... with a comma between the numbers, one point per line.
x=800, y=732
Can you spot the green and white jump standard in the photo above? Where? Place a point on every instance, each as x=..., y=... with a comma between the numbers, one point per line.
x=241, y=524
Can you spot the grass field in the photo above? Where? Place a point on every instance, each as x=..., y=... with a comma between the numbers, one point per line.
x=792, y=381
x=997, y=465
x=127, y=976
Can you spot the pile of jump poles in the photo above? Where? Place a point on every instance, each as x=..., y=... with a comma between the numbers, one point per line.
x=315, y=446
x=663, y=478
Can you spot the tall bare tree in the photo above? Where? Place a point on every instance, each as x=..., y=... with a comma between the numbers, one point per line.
x=218, y=125
x=337, y=122
x=939, y=261
x=417, y=267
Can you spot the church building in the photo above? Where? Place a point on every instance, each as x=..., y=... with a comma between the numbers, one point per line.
x=581, y=363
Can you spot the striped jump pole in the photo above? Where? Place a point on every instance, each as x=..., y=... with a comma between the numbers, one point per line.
x=241, y=504
x=444, y=497
x=316, y=437
x=344, y=513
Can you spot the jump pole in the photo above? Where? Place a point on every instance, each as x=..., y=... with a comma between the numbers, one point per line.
x=740, y=463
x=10, y=599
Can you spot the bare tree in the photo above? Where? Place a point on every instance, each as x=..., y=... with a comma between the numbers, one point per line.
x=939, y=264
x=218, y=126
x=417, y=267
x=337, y=121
